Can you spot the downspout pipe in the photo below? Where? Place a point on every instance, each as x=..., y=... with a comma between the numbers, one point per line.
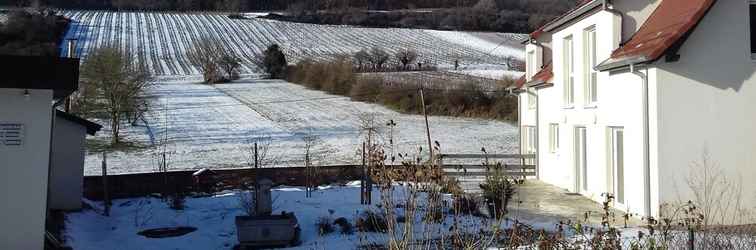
x=646, y=138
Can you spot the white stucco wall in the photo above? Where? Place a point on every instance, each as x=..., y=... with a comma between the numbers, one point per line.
x=635, y=13
x=25, y=169
x=708, y=105
x=619, y=104
x=68, y=165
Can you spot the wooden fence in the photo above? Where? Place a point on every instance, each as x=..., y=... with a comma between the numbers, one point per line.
x=136, y=185
x=524, y=168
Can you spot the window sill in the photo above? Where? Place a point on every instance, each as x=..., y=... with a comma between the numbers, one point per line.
x=568, y=107
x=592, y=106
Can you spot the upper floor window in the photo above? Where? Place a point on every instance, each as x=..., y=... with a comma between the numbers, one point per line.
x=554, y=137
x=589, y=62
x=752, y=15
x=569, y=71
x=530, y=68
x=532, y=101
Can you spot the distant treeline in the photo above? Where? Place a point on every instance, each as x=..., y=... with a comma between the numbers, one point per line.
x=32, y=33
x=248, y=5
x=487, y=15
x=516, y=16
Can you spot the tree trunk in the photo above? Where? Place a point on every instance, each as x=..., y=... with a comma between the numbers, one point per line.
x=116, y=127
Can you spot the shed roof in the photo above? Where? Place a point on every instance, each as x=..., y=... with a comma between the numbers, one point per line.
x=667, y=28
x=35, y=72
x=91, y=127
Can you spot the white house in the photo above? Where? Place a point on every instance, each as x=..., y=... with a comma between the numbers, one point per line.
x=628, y=97
x=30, y=89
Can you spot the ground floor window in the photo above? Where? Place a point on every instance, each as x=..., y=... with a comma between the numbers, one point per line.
x=618, y=163
x=581, y=159
x=529, y=139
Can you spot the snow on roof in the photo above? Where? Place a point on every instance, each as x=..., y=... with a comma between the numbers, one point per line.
x=667, y=26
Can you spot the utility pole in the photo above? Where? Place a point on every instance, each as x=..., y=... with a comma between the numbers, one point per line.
x=427, y=126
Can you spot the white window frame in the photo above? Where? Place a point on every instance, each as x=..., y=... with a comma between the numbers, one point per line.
x=529, y=137
x=532, y=100
x=618, y=166
x=590, y=76
x=568, y=58
x=581, y=157
x=531, y=65
x=554, y=137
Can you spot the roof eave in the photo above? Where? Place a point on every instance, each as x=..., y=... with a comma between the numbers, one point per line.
x=572, y=15
x=614, y=64
x=540, y=84
x=91, y=127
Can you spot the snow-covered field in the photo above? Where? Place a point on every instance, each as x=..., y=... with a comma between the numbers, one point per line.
x=161, y=39
x=214, y=126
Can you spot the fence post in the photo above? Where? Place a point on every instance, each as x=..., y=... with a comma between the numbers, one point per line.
x=363, y=178
x=105, y=194
x=691, y=239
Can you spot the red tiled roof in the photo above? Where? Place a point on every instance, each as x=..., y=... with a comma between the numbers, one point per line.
x=545, y=75
x=521, y=82
x=671, y=21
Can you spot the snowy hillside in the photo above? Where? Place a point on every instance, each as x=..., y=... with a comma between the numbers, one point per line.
x=161, y=39
x=213, y=126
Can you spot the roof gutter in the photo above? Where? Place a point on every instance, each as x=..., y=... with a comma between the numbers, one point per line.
x=615, y=64
x=572, y=15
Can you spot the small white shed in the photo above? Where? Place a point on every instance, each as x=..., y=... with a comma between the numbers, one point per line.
x=67, y=168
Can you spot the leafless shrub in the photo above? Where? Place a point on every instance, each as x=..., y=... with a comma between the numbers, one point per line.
x=205, y=54
x=325, y=226
x=378, y=58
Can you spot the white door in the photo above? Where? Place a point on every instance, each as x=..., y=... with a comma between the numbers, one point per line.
x=618, y=165
x=581, y=164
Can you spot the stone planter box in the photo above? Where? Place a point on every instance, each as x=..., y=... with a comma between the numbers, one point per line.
x=270, y=230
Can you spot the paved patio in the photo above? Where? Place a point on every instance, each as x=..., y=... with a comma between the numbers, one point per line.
x=539, y=202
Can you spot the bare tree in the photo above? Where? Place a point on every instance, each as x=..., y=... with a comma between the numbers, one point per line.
x=406, y=57
x=118, y=83
x=230, y=63
x=378, y=57
x=311, y=141
x=205, y=54
x=262, y=157
x=361, y=58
